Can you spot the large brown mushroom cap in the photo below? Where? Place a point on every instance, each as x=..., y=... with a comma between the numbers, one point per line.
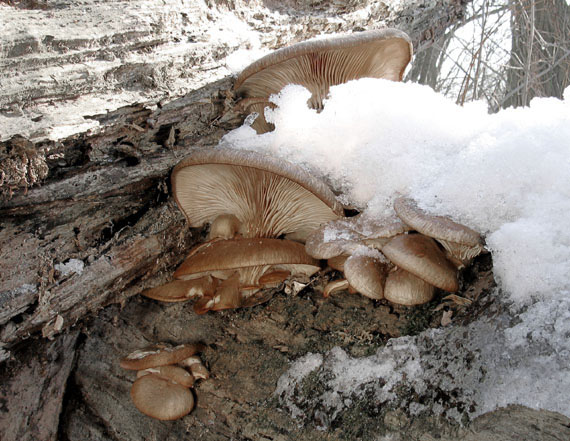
x=227, y=256
x=421, y=256
x=319, y=64
x=162, y=399
x=269, y=197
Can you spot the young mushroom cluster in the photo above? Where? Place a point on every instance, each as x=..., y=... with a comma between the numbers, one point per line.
x=165, y=375
x=402, y=260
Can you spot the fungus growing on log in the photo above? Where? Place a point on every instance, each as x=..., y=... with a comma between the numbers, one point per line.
x=320, y=64
x=269, y=197
x=421, y=256
x=243, y=266
x=403, y=288
x=160, y=398
x=461, y=243
x=161, y=390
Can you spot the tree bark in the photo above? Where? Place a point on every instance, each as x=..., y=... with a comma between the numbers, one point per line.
x=540, y=54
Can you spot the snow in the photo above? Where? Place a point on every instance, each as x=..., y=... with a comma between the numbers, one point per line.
x=506, y=175
x=527, y=363
x=72, y=266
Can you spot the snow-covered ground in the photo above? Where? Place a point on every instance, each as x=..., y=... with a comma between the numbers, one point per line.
x=506, y=175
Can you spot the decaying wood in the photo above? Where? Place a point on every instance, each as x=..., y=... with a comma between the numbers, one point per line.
x=97, y=226
x=32, y=390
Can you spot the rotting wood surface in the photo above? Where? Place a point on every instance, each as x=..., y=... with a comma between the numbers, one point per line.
x=98, y=201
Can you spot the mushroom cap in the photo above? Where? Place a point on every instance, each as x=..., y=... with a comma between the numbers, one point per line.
x=421, y=256
x=319, y=64
x=241, y=254
x=270, y=197
x=337, y=262
x=438, y=227
x=160, y=355
x=162, y=399
x=175, y=374
x=333, y=239
x=403, y=288
x=366, y=275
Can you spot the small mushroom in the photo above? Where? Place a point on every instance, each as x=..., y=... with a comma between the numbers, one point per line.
x=366, y=275
x=269, y=197
x=461, y=243
x=403, y=288
x=421, y=256
x=320, y=64
x=175, y=374
x=160, y=398
x=159, y=355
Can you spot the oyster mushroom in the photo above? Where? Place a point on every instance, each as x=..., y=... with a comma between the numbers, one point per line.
x=421, y=256
x=366, y=275
x=241, y=268
x=461, y=243
x=348, y=235
x=161, y=398
x=269, y=197
x=320, y=64
x=403, y=288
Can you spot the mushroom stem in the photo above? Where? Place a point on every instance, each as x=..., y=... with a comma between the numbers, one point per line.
x=334, y=286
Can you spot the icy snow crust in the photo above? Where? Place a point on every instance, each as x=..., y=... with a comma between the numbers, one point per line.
x=460, y=372
x=505, y=175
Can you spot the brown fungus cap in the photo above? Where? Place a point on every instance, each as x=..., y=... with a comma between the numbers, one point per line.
x=403, y=288
x=162, y=399
x=320, y=64
x=366, y=275
x=238, y=254
x=161, y=355
x=333, y=239
x=270, y=197
x=421, y=256
x=438, y=227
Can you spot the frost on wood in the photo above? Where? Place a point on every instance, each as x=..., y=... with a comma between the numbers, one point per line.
x=458, y=373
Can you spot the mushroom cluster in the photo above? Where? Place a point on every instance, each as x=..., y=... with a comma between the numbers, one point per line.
x=320, y=64
x=259, y=210
x=162, y=387
x=402, y=259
